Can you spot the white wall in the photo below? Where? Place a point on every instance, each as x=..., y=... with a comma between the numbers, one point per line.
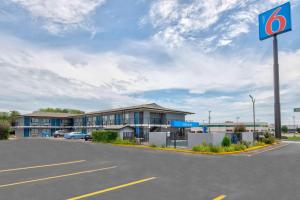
x=247, y=136
x=195, y=139
x=158, y=138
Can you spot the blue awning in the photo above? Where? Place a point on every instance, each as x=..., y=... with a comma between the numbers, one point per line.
x=182, y=124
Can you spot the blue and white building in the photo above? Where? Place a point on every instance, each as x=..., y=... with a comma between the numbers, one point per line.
x=138, y=120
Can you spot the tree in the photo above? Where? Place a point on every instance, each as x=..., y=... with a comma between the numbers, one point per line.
x=13, y=115
x=284, y=129
x=60, y=110
x=4, y=129
x=4, y=116
x=10, y=117
x=239, y=128
x=298, y=130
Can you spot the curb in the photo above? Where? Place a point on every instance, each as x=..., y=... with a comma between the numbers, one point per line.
x=195, y=152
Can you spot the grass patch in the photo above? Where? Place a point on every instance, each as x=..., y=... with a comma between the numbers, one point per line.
x=294, y=138
x=124, y=142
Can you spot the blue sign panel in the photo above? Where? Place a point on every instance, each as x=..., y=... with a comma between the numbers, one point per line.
x=181, y=124
x=275, y=21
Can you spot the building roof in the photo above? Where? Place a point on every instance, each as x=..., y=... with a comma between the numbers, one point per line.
x=49, y=114
x=151, y=106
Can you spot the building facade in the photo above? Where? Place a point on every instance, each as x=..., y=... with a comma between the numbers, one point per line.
x=142, y=119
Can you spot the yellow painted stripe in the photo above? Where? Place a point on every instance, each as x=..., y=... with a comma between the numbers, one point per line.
x=270, y=149
x=221, y=197
x=55, y=177
x=41, y=166
x=111, y=189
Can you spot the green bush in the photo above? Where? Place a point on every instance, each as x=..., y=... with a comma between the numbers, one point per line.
x=259, y=143
x=152, y=145
x=229, y=149
x=239, y=147
x=220, y=149
x=268, y=138
x=215, y=149
x=4, y=130
x=226, y=142
x=104, y=136
x=201, y=148
x=247, y=144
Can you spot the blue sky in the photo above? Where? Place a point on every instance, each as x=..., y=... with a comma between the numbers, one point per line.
x=192, y=55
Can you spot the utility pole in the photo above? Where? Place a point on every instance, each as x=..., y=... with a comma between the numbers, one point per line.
x=209, y=118
x=253, y=109
x=237, y=120
x=294, y=126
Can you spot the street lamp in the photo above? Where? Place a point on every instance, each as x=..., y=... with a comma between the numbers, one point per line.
x=253, y=103
x=209, y=121
x=294, y=126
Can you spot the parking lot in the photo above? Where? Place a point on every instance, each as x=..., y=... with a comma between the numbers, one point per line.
x=59, y=169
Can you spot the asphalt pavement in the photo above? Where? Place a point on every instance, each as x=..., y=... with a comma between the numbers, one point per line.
x=36, y=169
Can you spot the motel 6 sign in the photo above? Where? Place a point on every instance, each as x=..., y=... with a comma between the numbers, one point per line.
x=275, y=21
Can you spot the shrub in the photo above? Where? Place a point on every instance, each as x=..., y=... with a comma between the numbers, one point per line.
x=226, y=142
x=152, y=145
x=239, y=128
x=215, y=149
x=229, y=149
x=163, y=146
x=284, y=129
x=247, y=144
x=268, y=138
x=239, y=147
x=4, y=130
x=104, y=136
x=201, y=148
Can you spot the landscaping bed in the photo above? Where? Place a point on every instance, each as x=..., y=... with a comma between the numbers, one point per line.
x=225, y=148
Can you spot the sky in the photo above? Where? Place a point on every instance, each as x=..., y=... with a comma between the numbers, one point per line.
x=191, y=55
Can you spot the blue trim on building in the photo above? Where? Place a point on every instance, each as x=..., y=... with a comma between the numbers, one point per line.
x=136, y=117
x=26, y=132
x=118, y=119
x=26, y=121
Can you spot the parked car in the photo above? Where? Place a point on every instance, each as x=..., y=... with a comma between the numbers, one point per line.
x=88, y=137
x=75, y=135
x=59, y=133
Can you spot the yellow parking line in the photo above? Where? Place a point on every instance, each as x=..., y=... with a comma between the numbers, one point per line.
x=111, y=189
x=270, y=149
x=41, y=166
x=220, y=197
x=55, y=177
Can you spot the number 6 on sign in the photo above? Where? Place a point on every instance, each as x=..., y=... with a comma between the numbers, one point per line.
x=275, y=21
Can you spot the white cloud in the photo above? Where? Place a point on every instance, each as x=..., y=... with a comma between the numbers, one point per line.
x=178, y=22
x=74, y=75
x=33, y=77
x=61, y=15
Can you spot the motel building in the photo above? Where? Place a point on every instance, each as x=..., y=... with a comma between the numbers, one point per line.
x=131, y=121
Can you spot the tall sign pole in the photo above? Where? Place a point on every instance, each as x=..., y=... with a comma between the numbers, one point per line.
x=277, y=109
x=272, y=23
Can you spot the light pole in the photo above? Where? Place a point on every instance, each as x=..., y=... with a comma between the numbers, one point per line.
x=253, y=104
x=294, y=126
x=209, y=118
x=237, y=120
